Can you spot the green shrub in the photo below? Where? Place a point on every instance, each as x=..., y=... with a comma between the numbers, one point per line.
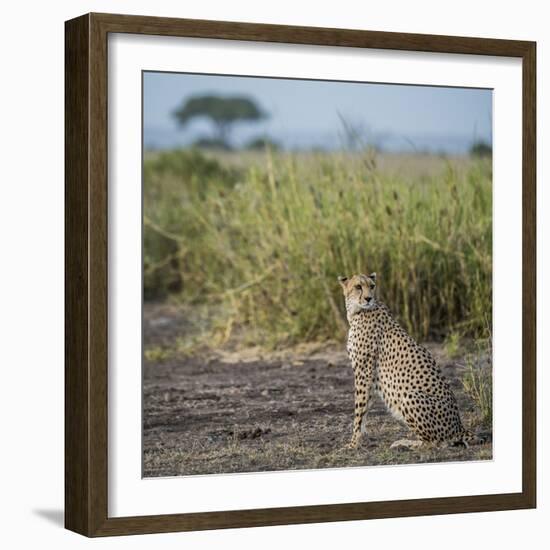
x=172, y=181
x=481, y=149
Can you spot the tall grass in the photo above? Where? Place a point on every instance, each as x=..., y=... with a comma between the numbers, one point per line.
x=264, y=245
x=477, y=379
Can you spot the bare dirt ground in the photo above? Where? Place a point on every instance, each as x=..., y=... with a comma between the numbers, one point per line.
x=222, y=412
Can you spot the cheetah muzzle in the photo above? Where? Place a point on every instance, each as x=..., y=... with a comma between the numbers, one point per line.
x=386, y=360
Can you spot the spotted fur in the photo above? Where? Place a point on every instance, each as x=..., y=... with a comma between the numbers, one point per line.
x=386, y=360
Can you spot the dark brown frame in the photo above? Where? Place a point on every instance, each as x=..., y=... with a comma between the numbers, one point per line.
x=86, y=273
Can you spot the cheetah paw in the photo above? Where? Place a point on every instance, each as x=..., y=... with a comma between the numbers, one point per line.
x=406, y=444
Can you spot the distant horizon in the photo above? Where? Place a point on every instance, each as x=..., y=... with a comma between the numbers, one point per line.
x=161, y=139
x=306, y=115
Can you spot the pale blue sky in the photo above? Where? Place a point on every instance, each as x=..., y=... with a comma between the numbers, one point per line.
x=306, y=114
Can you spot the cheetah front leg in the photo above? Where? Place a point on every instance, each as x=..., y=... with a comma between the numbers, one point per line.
x=363, y=389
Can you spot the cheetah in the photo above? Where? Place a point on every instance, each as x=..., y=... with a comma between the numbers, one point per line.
x=386, y=360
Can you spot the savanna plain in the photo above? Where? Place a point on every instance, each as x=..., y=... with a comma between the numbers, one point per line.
x=245, y=367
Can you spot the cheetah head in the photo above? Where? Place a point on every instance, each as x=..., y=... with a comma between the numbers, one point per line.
x=359, y=292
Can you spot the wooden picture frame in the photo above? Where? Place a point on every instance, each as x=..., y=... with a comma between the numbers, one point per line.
x=86, y=283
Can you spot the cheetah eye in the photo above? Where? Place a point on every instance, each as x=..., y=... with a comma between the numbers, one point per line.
x=358, y=287
x=372, y=287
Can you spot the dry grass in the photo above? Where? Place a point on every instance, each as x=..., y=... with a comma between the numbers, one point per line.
x=262, y=241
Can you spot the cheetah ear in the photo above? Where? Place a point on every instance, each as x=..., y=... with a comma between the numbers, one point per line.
x=343, y=281
x=373, y=276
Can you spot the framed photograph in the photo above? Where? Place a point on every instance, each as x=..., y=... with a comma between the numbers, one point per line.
x=300, y=274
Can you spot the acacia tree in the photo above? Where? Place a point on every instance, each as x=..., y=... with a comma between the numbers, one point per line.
x=223, y=112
